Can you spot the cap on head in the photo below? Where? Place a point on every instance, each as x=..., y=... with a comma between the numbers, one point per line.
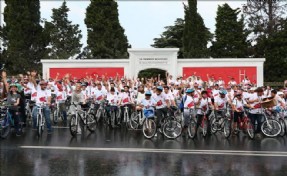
x=223, y=92
x=148, y=93
x=189, y=91
x=159, y=88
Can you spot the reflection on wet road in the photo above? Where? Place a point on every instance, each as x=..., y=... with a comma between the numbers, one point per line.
x=116, y=152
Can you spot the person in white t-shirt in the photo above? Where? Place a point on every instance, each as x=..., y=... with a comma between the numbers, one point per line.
x=238, y=105
x=162, y=104
x=169, y=96
x=43, y=97
x=61, y=97
x=232, y=82
x=220, y=103
x=189, y=108
x=204, y=104
x=147, y=104
x=255, y=114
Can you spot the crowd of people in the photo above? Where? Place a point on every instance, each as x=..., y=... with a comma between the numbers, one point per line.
x=184, y=94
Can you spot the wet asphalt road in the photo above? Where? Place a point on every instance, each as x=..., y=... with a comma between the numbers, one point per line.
x=119, y=152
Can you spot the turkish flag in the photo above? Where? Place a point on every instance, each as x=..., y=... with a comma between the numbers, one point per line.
x=126, y=100
x=99, y=97
x=257, y=106
x=190, y=105
x=34, y=94
x=204, y=107
x=221, y=106
x=215, y=95
x=195, y=96
x=27, y=89
x=43, y=99
x=159, y=103
x=59, y=97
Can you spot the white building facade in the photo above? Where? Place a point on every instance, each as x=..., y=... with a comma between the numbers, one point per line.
x=164, y=59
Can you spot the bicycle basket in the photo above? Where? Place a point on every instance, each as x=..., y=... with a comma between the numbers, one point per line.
x=148, y=113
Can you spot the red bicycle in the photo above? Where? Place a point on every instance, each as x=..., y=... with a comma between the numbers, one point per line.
x=245, y=126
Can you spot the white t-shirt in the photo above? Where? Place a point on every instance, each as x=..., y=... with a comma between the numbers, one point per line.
x=42, y=96
x=189, y=102
x=203, y=105
x=220, y=102
x=125, y=98
x=160, y=100
x=113, y=99
x=99, y=95
x=148, y=103
x=215, y=93
x=239, y=104
x=256, y=105
x=140, y=97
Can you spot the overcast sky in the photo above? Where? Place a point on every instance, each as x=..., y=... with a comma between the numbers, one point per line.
x=142, y=20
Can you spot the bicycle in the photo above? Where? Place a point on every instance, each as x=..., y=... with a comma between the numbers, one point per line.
x=279, y=113
x=101, y=112
x=222, y=122
x=245, y=126
x=86, y=119
x=112, y=112
x=148, y=124
x=192, y=130
x=6, y=121
x=40, y=121
x=270, y=127
x=28, y=110
x=171, y=127
x=56, y=113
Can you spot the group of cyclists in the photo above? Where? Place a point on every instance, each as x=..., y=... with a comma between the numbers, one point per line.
x=185, y=99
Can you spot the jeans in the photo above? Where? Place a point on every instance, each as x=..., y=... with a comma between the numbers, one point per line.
x=16, y=117
x=46, y=113
x=256, y=118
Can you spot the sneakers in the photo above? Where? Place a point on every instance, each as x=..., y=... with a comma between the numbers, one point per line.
x=18, y=134
x=49, y=132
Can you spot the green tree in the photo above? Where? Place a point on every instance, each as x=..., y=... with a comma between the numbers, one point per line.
x=195, y=34
x=171, y=37
x=106, y=38
x=23, y=33
x=230, y=36
x=64, y=36
x=276, y=55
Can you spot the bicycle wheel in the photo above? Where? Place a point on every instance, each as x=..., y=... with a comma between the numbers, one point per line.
x=98, y=115
x=91, y=122
x=39, y=125
x=172, y=129
x=73, y=126
x=282, y=123
x=213, y=125
x=250, y=130
x=149, y=128
x=5, y=128
x=204, y=127
x=113, y=119
x=271, y=128
x=134, y=122
x=55, y=116
x=227, y=128
x=192, y=129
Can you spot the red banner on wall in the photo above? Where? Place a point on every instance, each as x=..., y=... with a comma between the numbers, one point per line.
x=82, y=72
x=224, y=72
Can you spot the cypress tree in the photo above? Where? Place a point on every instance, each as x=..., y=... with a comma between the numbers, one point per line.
x=195, y=34
x=230, y=37
x=25, y=42
x=106, y=38
x=64, y=36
